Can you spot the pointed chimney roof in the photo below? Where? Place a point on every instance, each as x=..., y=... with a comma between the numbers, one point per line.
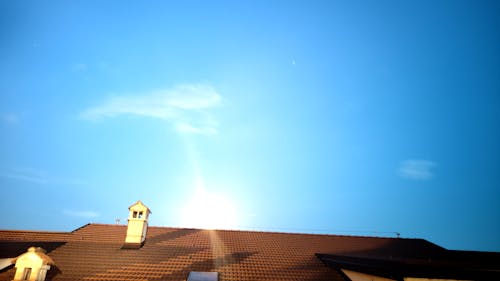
x=140, y=205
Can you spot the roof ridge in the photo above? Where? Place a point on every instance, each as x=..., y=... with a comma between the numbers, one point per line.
x=228, y=230
x=78, y=228
x=101, y=224
x=34, y=231
x=252, y=231
x=290, y=232
x=108, y=224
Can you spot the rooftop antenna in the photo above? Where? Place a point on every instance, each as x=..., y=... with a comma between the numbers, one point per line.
x=117, y=221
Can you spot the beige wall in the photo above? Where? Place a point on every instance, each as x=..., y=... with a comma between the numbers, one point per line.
x=358, y=276
x=431, y=279
x=136, y=231
x=31, y=260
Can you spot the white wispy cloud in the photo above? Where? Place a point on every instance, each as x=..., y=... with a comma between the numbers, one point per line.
x=185, y=106
x=79, y=67
x=36, y=176
x=81, y=214
x=10, y=118
x=189, y=129
x=417, y=169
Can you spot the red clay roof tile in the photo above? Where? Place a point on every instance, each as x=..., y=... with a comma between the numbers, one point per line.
x=94, y=252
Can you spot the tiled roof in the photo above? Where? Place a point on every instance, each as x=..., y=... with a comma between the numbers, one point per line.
x=94, y=253
x=445, y=265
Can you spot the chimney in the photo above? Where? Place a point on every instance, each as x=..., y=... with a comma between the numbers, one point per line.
x=137, y=226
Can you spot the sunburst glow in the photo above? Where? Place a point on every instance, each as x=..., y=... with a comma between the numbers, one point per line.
x=209, y=211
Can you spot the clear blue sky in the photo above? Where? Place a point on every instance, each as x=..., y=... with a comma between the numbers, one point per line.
x=342, y=117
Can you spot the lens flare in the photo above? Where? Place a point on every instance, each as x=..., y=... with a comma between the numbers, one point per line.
x=209, y=211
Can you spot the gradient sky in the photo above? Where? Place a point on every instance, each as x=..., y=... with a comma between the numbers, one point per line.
x=344, y=117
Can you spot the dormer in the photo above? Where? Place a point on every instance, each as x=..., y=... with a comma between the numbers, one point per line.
x=137, y=225
x=32, y=265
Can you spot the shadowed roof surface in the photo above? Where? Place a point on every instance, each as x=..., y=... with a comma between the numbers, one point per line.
x=93, y=252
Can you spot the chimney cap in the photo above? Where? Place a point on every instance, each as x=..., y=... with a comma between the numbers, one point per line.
x=139, y=205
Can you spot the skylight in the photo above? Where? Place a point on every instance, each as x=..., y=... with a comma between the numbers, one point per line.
x=203, y=276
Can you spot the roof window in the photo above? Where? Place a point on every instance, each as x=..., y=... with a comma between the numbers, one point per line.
x=203, y=276
x=27, y=273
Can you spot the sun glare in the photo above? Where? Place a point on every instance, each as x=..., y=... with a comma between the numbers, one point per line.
x=209, y=211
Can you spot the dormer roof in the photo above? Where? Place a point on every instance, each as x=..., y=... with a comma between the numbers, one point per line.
x=36, y=252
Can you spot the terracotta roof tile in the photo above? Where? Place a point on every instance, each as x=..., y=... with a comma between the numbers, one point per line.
x=93, y=252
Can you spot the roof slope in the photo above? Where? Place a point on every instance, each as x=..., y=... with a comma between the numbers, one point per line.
x=93, y=252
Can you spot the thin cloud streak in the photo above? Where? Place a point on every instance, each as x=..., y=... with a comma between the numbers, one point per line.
x=10, y=118
x=187, y=128
x=81, y=214
x=417, y=169
x=77, y=67
x=37, y=177
x=185, y=106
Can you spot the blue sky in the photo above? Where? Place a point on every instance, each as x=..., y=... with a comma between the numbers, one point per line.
x=344, y=117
